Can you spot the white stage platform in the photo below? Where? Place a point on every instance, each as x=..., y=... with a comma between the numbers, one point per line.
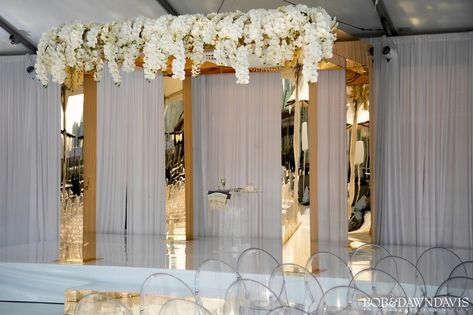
x=30, y=273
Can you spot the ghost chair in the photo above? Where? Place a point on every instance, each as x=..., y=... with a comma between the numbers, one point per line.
x=286, y=310
x=347, y=300
x=465, y=269
x=248, y=296
x=212, y=280
x=184, y=307
x=407, y=274
x=100, y=304
x=459, y=287
x=384, y=287
x=329, y=269
x=366, y=256
x=296, y=287
x=159, y=288
x=256, y=264
x=436, y=264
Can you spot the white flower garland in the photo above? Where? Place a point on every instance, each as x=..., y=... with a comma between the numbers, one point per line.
x=272, y=36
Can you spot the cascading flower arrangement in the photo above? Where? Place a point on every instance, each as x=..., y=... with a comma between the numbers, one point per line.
x=272, y=37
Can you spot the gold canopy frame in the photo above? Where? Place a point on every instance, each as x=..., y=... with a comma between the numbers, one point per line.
x=346, y=55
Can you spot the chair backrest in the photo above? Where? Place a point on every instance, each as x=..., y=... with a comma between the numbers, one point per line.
x=347, y=300
x=256, y=264
x=295, y=286
x=247, y=296
x=159, y=288
x=212, y=280
x=101, y=305
x=435, y=264
x=366, y=256
x=378, y=283
x=407, y=274
x=465, y=269
x=286, y=310
x=457, y=287
x=181, y=306
x=329, y=269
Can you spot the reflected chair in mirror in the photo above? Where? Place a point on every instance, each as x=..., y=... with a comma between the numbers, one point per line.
x=286, y=310
x=465, y=269
x=212, y=280
x=329, y=269
x=346, y=300
x=181, y=306
x=248, y=296
x=407, y=275
x=101, y=305
x=256, y=264
x=381, y=285
x=159, y=288
x=296, y=287
x=435, y=264
x=366, y=256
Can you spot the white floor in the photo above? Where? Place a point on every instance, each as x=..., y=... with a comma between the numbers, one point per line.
x=31, y=273
x=7, y=308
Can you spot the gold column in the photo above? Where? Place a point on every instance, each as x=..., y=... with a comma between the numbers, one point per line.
x=188, y=159
x=313, y=162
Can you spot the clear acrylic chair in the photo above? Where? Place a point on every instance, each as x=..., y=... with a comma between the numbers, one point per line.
x=461, y=287
x=256, y=264
x=347, y=300
x=465, y=269
x=248, y=296
x=286, y=310
x=329, y=269
x=366, y=256
x=380, y=284
x=184, y=307
x=100, y=304
x=212, y=280
x=296, y=286
x=159, y=288
x=435, y=264
x=407, y=275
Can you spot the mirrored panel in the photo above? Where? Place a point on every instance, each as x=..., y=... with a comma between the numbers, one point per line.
x=72, y=177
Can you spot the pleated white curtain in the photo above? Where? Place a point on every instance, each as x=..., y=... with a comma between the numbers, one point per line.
x=29, y=155
x=332, y=156
x=424, y=140
x=237, y=137
x=130, y=155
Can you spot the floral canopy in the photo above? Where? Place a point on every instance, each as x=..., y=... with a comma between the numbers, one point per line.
x=287, y=35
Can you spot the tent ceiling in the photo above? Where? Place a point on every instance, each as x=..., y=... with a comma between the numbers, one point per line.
x=32, y=17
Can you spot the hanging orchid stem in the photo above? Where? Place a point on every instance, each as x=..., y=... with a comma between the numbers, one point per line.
x=284, y=36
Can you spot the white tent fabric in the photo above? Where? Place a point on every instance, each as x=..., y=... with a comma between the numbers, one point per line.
x=237, y=137
x=29, y=155
x=332, y=156
x=130, y=155
x=424, y=140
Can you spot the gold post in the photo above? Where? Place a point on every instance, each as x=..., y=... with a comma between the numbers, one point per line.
x=188, y=159
x=313, y=154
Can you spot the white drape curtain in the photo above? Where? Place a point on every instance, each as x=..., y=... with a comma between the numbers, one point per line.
x=29, y=155
x=237, y=137
x=130, y=155
x=332, y=156
x=424, y=140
